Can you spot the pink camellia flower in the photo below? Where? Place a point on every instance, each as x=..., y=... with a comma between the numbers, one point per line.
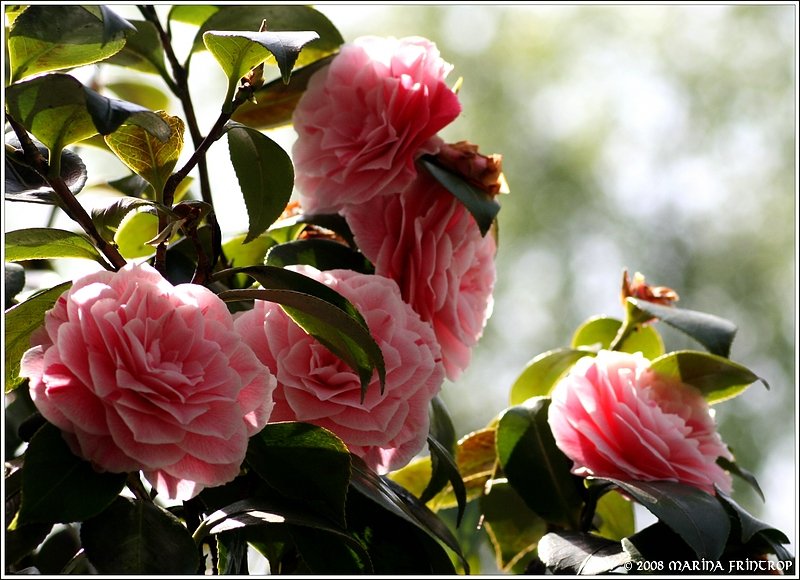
x=613, y=416
x=428, y=242
x=143, y=375
x=315, y=386
x=366, y=117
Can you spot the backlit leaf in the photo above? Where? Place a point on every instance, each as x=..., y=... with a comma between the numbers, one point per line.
x=541, y=374
x=20, y=322
x=581, y=554
x=47, y=243
x=142, y=51
x=148, y=156
x=45, y=38
x=599, y=332
x=265, y=174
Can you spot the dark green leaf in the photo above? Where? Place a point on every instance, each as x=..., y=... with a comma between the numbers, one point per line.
x=542, y=373
x=399, y=502
x=658, y=543
x=132, y=186
x=713, y=332
x=20, y=322
x=142, y=51
x=321, y=253
x=326, y=553
x=46, y=38
x=290, y=457
x=581, y=554
x=14, y=282
x=718, y=378
x=135, y=537
x=333, y=222
x=57, y=486
x=322, y=312
x=265, y=174
x=23, y=183
x=443, y=470
x=536, y=468
x=696, y=516
x=599, y=332
x=47, y=243
x=513, y=529
x=278, y=18
x=747, y=476
x=749, y=526
x=480, y=204
x=238, y=52
x=107, y=219
x=275, y=101
x=59, y=110
x=232, y=548
x=140, y=93
x=21, y=541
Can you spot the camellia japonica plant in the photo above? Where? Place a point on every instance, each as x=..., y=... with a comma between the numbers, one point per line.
x=196, y=403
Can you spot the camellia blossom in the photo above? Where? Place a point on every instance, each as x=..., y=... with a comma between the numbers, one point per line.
x=315, y=386
x=428, y=242
x=615, y=417
x=366, y=117
x=143, y=375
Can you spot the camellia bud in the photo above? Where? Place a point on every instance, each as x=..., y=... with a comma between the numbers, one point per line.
x=638, y=288
x=482, y=171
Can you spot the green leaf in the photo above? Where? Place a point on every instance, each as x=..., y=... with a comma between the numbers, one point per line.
x=238, y=52
x=615, y=516
x=599, y=332
x=24, y=183
x=396, y=500
x=14, y=282
x=136, y=537
x=536, y=468
x=191, y=14
x=265, y=174
x=334, y=222
x=326, y=553
x=20, y=322
x=713, y=332
x=46, y=38
x=279, y=18
x=749, y=526
x=135, y=234
x=321, y=253
x=275, y=101
x=542, y=373
x=47, y=243
x=108, y=218
x=444, y=470
x=290, y=457
x=747, y=476
x=513, y=529
x=140, y=93
x=232, y=560
x=717, y=378
x=696, y=516
x=483, y=206
x=148, y=156
x=59, y=110
x=143, y=50
x=59, y=487
x=322, y=312
x=581, y=554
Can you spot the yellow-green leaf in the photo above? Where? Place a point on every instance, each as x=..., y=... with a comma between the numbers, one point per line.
x=149, y=157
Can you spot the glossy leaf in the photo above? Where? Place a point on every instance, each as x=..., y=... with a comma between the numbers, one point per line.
x=45, y=38
x=148, y=156
x=47, y=243
x=696, y=516
x=20, y=322
x=615, y=516
x=534, y=465
x=713, y=332
x=718, y=378
x=739, y=471
x=278, y=18
x=276, y=100
x=303, y=451
x=58, y=110
x=143, y=50
x=541, y=374
x=140, y=93
x=265, y=174
x=748, y=525
x=581, y=554
x=14, y=282
x=135, y=234
x=398, y=501
x=321, y=253
x=444, y=471
x=130, y=538
x=59, y=487
x=599, y=332
x=108, y=218
x=23, y=183
x=481, y=205
x=322, y=312
x=238, y=52
x=513, y=529
x=334, y=222
x=326, y=553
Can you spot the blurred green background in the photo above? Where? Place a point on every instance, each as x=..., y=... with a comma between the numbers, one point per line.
x=657, y=138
